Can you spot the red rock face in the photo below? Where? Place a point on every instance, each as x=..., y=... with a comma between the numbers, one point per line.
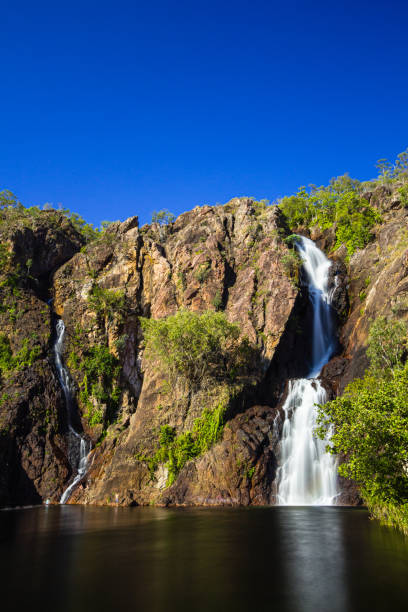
x=228, y=257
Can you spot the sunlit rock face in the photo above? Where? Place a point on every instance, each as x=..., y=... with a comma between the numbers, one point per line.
x=230, y=258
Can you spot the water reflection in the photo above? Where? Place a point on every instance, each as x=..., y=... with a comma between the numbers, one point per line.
x=273, y=559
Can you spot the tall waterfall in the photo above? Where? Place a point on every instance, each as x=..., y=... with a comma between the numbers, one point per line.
x=78, y=447
x=308, y=475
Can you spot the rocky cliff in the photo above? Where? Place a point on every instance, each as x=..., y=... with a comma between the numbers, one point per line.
x=231, y=258
x=33, y=452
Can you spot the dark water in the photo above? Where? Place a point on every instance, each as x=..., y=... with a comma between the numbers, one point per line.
x=146, y=559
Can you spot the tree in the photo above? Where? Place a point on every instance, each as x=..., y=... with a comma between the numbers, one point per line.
x=368, y=425
x=8, y=200
x=163, y=217
x=197, y=347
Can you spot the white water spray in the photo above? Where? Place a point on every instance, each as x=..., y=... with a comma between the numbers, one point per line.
x=308, y=475
x=78, y=447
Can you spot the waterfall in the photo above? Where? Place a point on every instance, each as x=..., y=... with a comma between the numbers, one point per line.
x=78, y=447
x=308, y=475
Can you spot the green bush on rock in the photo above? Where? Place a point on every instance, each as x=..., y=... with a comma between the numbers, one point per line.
x=99, y=372
x=23, y=358
x=197, y=347
x=106, y=303
x=174, y=451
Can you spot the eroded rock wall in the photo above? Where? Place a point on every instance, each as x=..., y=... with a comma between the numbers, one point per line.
x=33, y=450
x=228, y=257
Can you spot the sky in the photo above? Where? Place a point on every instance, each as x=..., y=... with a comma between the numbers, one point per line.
x=120, y=108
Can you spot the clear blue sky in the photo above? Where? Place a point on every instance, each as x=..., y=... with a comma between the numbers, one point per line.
x=120, y=108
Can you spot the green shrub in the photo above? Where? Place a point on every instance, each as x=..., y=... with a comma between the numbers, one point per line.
x=368, y=426
x=387, y=342
x=292, y=264
x=24, y=358
x=340, y=204
x=13, y=211
x=397, y=171
x=99, y=372
x=106, y=302
x=174, y=451
x=197, y=347
x=217, y=300
x=403, y=193
x=203, y=272
x=6, y=355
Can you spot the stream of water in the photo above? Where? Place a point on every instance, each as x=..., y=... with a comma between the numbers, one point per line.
x=78, y=447
x=308, y=475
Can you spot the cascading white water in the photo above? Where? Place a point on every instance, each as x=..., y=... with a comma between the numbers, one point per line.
x=84, y=449
x=78, y=447
x=308, y=475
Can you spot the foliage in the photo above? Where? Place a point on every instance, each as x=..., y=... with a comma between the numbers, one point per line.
x=12, y=210
x=10, y=274
x=217, y=300
x=174, y=451
x=292, y=264
x=99, y=371
x=106, y=302
x=197, y=347
x=403, y=193
x=163, y=217
x=8, y=201
x=397, y=171
x=369, y=426
x=23, y=358
x=387, y=342
x=260, y=206
x=291, y=240
x=203, y=272
x=88, y=231
x=340, y=205
x=388, y=512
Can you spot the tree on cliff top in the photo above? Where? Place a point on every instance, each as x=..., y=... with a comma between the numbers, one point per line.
x=163, y=217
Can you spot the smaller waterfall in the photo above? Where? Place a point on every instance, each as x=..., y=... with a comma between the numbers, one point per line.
x=84, y=450
x=308, y=475
x=78, y=447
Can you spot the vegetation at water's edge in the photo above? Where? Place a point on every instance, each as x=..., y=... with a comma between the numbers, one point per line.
x=369, y=425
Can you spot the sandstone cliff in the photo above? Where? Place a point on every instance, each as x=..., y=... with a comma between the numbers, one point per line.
x=33, y=453
x=231, y=258
x=228, y=258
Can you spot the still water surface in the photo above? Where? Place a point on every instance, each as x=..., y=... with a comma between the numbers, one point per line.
x=280, y=559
